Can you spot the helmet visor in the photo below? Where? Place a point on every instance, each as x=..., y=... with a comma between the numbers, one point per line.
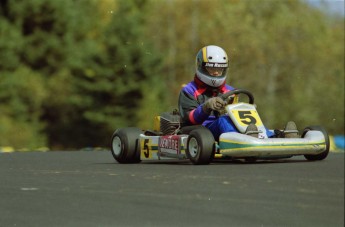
x=215, y=71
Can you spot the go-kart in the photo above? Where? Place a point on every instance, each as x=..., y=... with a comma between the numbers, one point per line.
x=170, y=139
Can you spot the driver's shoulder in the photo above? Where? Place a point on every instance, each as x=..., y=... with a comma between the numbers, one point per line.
x=227, y=88
x=190, y=88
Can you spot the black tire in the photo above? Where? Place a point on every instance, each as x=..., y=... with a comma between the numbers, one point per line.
x=250, y=159
x=324, y=154
x=125, y=146
x=200, y=146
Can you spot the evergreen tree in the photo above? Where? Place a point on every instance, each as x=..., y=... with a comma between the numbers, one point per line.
x=71, y=72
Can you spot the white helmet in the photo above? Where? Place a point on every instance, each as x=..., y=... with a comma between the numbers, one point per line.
x=212, y=57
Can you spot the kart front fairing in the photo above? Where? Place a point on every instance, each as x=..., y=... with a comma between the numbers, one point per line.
x=243, y=114
x=234, y=144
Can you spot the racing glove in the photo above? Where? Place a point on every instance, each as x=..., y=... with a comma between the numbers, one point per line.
x=215, y=103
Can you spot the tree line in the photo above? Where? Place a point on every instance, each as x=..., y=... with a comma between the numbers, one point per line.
x=71, y=72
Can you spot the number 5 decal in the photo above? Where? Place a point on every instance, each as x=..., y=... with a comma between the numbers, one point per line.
x=146, y=148
x=246, y=117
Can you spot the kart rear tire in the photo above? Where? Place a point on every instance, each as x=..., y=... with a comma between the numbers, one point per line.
x=324, y=154
x=125, y=146
x=200, y=146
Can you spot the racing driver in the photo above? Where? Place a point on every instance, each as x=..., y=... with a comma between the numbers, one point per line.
x=200, y=100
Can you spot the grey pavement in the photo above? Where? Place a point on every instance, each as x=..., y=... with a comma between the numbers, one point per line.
x=80, y=188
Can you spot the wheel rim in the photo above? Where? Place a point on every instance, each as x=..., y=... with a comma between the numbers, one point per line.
x=193, y=147
x=117, y=146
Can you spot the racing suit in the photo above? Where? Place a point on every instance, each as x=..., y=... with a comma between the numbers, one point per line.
x=192, y=98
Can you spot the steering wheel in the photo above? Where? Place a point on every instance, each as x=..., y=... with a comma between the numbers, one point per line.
x=239, y=91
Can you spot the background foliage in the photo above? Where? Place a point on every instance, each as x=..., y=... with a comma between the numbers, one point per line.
x=71, y=72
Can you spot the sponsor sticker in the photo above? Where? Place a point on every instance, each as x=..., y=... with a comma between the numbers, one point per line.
x=169, y=145
x=216, y=65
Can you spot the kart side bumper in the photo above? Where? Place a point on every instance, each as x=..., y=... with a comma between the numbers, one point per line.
x=240, y=145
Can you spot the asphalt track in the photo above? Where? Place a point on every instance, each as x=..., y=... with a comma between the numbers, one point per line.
x=91, y=189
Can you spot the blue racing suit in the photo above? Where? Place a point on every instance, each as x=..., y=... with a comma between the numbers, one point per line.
x=191, y=100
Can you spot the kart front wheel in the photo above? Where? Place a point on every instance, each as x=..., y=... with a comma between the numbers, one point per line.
x=200, y=146
x=125, y=146
x=324, y=154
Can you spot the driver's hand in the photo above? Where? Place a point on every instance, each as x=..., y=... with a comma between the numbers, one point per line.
x=215, y=103
x=230, y=99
